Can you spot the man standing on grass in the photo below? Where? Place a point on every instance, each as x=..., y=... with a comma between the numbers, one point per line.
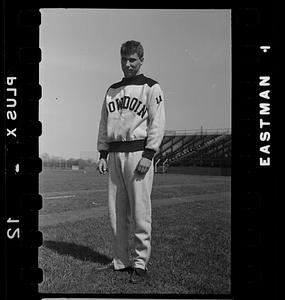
x=130, y=132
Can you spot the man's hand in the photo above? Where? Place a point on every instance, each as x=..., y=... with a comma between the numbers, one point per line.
x=143, y=165
x=102, y=167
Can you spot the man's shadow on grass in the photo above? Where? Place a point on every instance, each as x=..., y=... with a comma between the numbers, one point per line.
x=77, y=251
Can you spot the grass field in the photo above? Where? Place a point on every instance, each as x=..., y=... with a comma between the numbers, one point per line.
x=190, y=235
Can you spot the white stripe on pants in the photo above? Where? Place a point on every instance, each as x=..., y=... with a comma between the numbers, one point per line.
x=129, y=199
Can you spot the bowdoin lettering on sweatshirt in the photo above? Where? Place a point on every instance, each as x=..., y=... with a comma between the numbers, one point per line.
x=133, y=109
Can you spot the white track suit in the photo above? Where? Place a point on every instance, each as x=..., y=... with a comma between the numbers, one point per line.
x=131, y=127
x=129, y=197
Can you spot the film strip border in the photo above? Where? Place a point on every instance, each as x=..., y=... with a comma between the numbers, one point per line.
x=252, y=186
x=253, y=202
x=22, y=94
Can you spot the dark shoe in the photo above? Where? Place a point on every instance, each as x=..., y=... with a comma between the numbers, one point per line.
x=127, y=269
x=139, y=275
x=110, y=266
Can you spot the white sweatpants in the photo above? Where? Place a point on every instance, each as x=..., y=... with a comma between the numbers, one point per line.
x=129, y=199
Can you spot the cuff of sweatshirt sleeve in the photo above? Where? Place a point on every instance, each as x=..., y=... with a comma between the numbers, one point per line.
x=148, y=153
x=103, y=154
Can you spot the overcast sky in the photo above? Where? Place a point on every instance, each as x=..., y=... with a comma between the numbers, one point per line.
x=187, y=51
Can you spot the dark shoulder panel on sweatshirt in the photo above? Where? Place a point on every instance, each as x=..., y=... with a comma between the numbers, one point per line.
x=138, y=80
x=116, y=85
x=150, y=82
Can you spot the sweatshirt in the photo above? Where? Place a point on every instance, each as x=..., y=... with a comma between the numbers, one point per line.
x=133, y=110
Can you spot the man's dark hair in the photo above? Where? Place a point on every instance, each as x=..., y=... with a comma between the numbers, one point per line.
x=131, y=47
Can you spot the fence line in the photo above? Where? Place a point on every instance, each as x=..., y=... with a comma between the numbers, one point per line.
x=201, y=131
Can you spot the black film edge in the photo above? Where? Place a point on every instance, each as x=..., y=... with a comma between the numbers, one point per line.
x=22, y=129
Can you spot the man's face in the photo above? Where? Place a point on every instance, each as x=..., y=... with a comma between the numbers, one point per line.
x=131, y=64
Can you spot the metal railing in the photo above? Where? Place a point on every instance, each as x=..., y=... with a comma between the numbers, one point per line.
x=201, y=131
